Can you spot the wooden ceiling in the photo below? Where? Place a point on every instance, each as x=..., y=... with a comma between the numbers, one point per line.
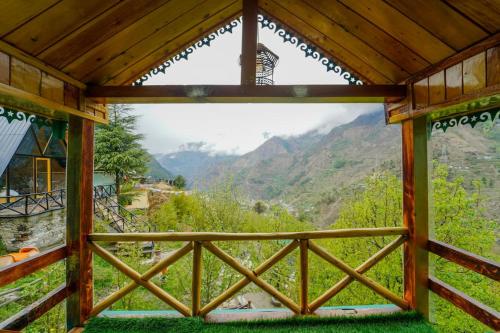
x=113, y=42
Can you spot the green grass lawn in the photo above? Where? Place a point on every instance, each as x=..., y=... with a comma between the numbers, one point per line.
x=399, y=322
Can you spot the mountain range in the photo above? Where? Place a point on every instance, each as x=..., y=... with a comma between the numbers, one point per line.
x=310, y=173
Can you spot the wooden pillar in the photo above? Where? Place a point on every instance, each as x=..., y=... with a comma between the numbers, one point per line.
x=304, y=277
x=415, y=214
x=79, y=223
x=249, y=43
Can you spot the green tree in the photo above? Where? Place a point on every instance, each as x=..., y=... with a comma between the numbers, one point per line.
x=118, y=150
x=180, y=182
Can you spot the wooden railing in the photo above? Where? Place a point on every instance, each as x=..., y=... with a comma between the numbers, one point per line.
x=16, y=271
x=198, y=241
x=478, y=264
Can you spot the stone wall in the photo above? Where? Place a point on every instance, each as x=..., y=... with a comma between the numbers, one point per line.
x=43, y=230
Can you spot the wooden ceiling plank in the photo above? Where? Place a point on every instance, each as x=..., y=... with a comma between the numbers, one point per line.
x=17, y=12
x=486, y=13
x=370, y=34
x=97, y=31
x=459, y=34
x=402, y=28
x=131, y=73
x=190, y=20
x=350, y=42
x=346, y=58
x=55, y=23
x=128, y=37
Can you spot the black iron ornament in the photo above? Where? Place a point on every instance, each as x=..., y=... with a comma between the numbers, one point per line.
x=308, y=49
x=266, y=23
x=470, y=119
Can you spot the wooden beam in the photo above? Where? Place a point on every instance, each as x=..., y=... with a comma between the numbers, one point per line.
x=289, y=303
x=481, y=312
x=249, y=43
x=137, y=278
x=364, y=267
x=23, y=268
x=415, y=214
x=245, y=94
x=31, y=103
x=34, y=311
x=261, y=269
x=225, y=236
x=21, y=55
x=79, y=220
x=375, y=286
x=481, y=265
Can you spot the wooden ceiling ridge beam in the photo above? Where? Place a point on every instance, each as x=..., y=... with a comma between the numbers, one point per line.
x=29, y=59
x=249, y=42
x=245, y=93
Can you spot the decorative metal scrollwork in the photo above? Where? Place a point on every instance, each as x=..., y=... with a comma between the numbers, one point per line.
x=308, y=49
x=205, y=41
x=11, y=115
x=266, y=23
x=469, y=119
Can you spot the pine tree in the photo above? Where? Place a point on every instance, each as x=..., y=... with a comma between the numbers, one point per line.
x=118, y=150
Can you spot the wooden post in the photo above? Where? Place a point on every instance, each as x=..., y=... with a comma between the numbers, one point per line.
x=304, y=309
x=415, y=214
x=196, y=291
x=79, y=214
x=249, y=43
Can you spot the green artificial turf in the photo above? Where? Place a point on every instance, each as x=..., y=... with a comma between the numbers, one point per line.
x=398, y=322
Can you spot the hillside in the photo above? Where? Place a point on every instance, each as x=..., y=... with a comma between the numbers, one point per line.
x=156, y=171
x=311, y=173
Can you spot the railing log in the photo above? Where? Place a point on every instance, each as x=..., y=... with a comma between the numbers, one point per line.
x=216, y=236
x=35, y=310
x=20, y=269
x=466, y=259
x=481, y=312
x=131, y=273
x=304, y=277
x=157, y=268
x=379, y=289
x=196, y=280
x=252, y=276
x=261, y=269
x=364, y=267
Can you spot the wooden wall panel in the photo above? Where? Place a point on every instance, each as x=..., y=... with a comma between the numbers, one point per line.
x=493, y=66
x=454, y=81
x=25, y=77
x=474, y=72
x=4, y=68
x=52, y=88
x=421, y=93
x=437, y=89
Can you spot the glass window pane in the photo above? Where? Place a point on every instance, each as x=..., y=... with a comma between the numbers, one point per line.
x=21, y=175
x=42, y=134
x=58, y=174
x=29, y=145
x=56, y=148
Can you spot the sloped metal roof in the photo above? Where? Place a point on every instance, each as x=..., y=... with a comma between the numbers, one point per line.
x=11, y=136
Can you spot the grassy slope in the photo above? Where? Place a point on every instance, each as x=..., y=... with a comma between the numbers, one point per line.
x=400, y=322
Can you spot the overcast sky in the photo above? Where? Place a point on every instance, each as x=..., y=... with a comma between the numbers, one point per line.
x=239, y=128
